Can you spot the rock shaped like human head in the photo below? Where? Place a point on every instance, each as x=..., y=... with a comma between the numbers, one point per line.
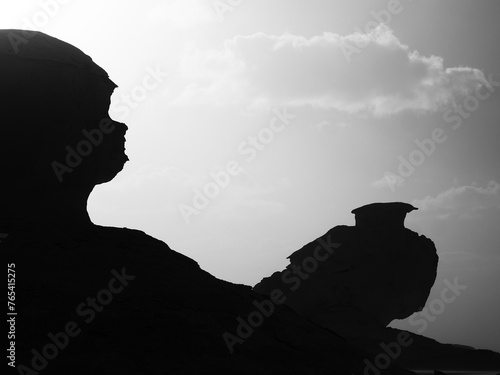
x=57, y=140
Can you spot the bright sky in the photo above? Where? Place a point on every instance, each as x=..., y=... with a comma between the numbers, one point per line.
x=302, y=110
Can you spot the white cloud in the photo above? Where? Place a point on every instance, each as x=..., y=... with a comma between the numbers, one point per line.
x=467, y=198
x=384, y=78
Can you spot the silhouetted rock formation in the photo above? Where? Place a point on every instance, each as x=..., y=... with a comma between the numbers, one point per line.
x=100, y=300
x=355, y=280
x=376, y=215
x=56, y=140
x=170, y=318
x=107, y=300
x=378, y=271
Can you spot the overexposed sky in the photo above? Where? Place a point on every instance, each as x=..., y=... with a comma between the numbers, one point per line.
x=310, y=108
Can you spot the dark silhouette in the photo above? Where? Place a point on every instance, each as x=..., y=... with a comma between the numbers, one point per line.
x=355, y=280
x=378, y=271
x=56, y=140
x=92, y=299
x=382, y=214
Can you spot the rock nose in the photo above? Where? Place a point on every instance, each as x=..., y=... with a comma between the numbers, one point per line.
x=376, y=215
